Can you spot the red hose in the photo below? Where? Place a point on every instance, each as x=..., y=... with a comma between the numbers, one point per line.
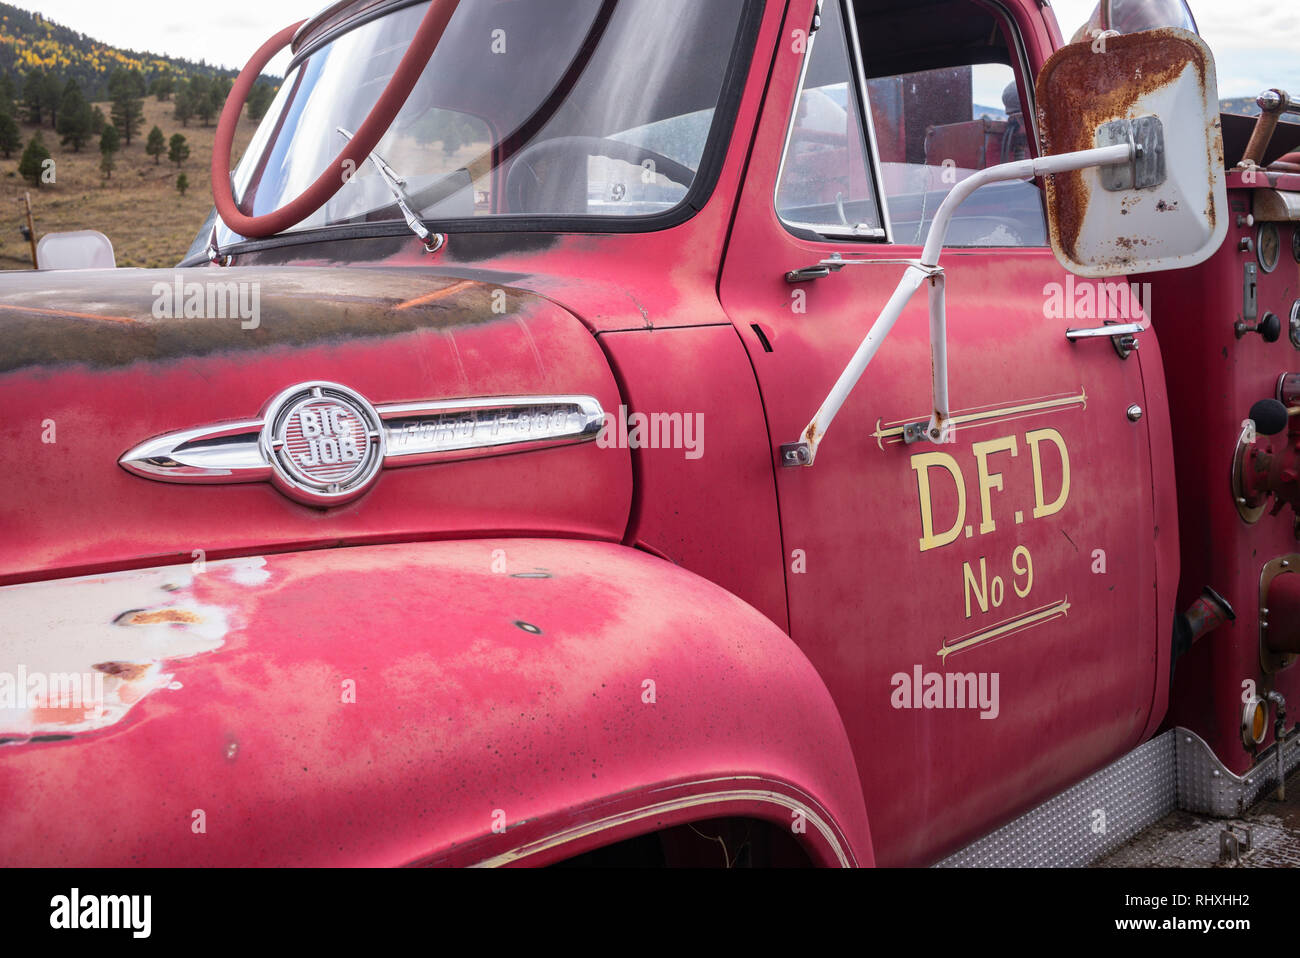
x=353, y=155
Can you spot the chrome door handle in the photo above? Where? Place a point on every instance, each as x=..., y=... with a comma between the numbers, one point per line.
x=1123, y=336
x=1115, y=329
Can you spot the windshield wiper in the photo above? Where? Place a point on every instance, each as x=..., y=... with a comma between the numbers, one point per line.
x=432, y=241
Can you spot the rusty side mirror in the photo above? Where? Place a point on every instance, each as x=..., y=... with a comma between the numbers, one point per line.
x=1157, y=91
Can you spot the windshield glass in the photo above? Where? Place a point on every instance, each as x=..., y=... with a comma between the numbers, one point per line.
x=537, y=108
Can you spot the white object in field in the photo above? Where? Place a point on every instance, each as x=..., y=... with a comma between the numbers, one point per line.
x=80, y=249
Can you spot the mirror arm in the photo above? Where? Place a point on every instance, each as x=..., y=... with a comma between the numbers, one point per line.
x=803, y=451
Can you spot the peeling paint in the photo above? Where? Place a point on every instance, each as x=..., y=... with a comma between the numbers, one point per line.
x=158, y=616
x=79, y=654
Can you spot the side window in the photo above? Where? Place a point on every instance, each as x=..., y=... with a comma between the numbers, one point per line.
x=937, y=127
x=826, y=184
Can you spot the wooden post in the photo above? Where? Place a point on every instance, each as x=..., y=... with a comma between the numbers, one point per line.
x=31, y=227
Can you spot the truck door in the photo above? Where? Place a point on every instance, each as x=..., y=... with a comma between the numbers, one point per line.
x=983, y=611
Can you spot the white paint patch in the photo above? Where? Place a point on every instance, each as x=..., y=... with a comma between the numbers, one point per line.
x=124, y=627
x=252, y=571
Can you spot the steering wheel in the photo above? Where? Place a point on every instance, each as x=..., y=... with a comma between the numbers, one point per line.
x=524, y=180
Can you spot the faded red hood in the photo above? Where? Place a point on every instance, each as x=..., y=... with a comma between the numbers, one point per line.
x=95, y=363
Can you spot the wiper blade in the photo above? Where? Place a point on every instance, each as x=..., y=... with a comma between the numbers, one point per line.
x=395, y=183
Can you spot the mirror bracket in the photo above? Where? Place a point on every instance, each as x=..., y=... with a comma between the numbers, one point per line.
x=1130, y=156
x=1146, y=170
x=927, y=272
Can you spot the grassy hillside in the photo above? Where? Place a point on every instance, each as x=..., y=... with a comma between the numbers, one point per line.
x=30, y=42
x=138, y=208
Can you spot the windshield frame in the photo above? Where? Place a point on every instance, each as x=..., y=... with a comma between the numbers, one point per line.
x=715, y=149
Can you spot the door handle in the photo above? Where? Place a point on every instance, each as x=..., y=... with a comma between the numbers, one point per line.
x=1123, y=336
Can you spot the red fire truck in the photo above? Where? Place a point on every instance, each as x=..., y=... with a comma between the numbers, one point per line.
x=834, y=432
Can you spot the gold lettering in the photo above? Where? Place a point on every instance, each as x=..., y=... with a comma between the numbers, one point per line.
x=990, y=480
x=1041, y=506
x=922, y=462
x=980, y=588
x=1022, y=564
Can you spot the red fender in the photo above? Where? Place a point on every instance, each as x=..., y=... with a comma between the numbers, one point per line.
x=467, y=702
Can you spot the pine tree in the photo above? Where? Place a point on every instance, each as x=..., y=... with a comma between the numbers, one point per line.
x=259, y=99
x=34, y=96
x=179, y=150
x=109, y=144
x=32, y=165
x=204, y=108
x=164, y=84
x=10, y=136
x=127, y=108
x=97, y=122
x=8, y=94
x=75, y=117
x=215, y=102
x=202, y=98
x=182, y=183
x=156, y=145
x=184, y=108
x=51, y=95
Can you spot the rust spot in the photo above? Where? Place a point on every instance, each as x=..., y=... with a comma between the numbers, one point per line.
x=1089, y=89
x=158, y=616
x=128, y=671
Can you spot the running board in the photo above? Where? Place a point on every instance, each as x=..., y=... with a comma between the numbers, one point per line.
x=1086, y=822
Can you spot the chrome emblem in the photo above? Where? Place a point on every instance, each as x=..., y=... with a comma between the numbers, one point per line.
x=324, y=441
x=323, y=444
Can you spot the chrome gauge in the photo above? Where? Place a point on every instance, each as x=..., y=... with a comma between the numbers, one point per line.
x=1268, y=246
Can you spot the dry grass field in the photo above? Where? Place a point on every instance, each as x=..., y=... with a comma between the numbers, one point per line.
x=138, y=208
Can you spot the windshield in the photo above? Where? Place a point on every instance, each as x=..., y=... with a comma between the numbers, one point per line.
x=536, y=108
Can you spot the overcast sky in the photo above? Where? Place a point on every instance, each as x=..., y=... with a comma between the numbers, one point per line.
x=225, y=33
x=1255, y=43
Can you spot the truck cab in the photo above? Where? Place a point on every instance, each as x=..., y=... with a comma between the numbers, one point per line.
x=456, y=501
